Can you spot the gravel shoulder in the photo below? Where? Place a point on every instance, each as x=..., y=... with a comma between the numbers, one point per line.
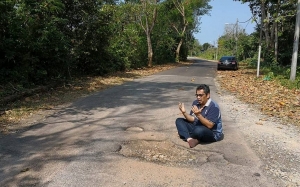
x=275, y=142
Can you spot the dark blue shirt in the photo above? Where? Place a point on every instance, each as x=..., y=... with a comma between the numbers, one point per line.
x=211, y=112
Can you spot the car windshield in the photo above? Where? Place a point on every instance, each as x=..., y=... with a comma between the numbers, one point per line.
x=224, y=58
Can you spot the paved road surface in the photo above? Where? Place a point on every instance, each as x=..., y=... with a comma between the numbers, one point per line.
x=125, y=136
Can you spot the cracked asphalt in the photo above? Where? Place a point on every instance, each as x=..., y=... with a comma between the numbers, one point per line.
x=126, y=136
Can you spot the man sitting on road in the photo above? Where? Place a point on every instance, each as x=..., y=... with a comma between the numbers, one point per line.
x=203, y=123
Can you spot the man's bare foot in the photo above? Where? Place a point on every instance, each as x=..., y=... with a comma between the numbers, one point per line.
x=192, y=142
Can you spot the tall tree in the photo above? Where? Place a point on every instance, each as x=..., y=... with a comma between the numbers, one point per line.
x=184, y=23
x=296, y=44
x=147, y=16
x=189, y=12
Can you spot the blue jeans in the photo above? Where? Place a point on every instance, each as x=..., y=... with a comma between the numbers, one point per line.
x=188, y=130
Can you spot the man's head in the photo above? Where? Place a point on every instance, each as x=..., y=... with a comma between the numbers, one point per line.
x=202, y=94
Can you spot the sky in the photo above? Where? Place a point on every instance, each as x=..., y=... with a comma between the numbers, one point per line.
x=223, y=11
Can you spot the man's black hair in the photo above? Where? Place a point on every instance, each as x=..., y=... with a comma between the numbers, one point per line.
x=204, y=87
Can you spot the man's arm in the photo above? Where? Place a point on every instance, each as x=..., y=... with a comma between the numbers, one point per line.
x=187, y=116
x=205, y=121
x=202, y=119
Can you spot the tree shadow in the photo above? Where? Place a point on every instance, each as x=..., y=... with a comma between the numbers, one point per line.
x=92, y=126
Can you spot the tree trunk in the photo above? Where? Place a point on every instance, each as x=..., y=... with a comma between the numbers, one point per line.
x=276, y=33
x=178, y=50
x=150, y=50
x=181, y=9
x=265, y=24
x=148, y=27
x=276, y=42
x=295, y=47
x=272, y=35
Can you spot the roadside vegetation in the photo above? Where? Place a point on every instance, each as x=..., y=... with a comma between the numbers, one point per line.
x=52, y=48
x=52, y=41
x=266, y=93
x=275, y=33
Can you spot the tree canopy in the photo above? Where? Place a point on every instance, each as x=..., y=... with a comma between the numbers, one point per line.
x=43, y=41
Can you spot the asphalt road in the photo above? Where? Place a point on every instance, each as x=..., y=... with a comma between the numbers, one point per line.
x=126, y=136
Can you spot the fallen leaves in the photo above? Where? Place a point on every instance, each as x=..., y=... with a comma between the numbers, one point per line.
x=270, y=97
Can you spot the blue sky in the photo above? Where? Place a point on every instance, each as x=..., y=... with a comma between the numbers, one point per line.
x=223, y=11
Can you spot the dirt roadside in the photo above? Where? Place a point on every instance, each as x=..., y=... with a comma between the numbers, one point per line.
x=274, y=140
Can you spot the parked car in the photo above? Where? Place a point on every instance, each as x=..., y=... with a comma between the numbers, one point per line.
x=228, y=62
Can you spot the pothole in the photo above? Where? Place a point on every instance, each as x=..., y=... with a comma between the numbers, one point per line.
x=164, y=152
x=135, y=129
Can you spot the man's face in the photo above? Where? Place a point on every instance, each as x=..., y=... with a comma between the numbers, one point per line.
x=202, y=97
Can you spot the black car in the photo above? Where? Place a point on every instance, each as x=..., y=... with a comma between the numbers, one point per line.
x=228, y=62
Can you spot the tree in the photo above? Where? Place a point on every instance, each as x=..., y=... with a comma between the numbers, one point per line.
x=296, y=43
x=275, y=20
x=184, y=23
x=147, y=16
x=188, y=11
x=195, y=48
x=126, y=48
x=205, y=46
x=50, y=40
x=36, y=44
x=88, y=30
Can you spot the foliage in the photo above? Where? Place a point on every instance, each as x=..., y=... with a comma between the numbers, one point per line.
x=277, y=29
x=281, y=74
x=185, y=10
x=205, y=46
x=209, y=54
x=50, y=40
x=276, y=21
x=126, y=47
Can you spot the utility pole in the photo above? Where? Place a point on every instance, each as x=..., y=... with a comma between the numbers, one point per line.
x=259, y=47
x=296, y=43
x=236, y=37
x=217, y=49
